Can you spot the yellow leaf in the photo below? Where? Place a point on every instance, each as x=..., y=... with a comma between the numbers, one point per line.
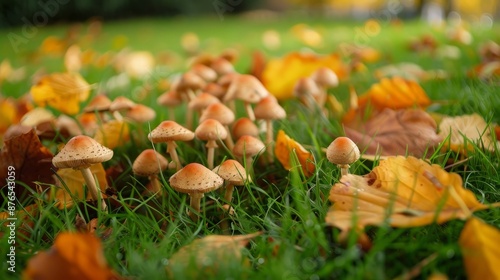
x=76, y=256
x=402, y=192
x=8, y=114
x=281, y=75
x=397, y=93
x=74, y=181
x=113, y=134
x=286, y=145
x=481, y=253
x=62, y=91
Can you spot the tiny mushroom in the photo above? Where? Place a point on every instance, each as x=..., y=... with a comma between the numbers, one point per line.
x=234, y=174
x=248, y=89
x=170, y=131
x=80, y=153
x=170, y=99
x=307, y=91
x=210, y=130
x=149, y=164
x=195, y=180
x=269, y=109
x=224, y=115
x=342, y=152
x=120, y=104
x=325, y=78
x=244, y=126
x=246, y=147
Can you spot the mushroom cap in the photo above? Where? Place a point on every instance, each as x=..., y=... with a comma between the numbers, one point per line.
x=248, y=145
x=218, y=111
x=141, y=113
x=232, y=171
x=195, y=178
x=215, y=89
x=244, y=126
x=205, y=72
x=306, y=86
x=99, y=103
x=37, y=116
x=170, y=131
x=342, y=151
x=202, y=101
x=222, y=66
x=121, y=103
x=210, y=129
x=247, y=88
x=325, y=77
x=80, y=152
x=190, y=81
x=269, y=109
x=149, y=162
x=170, y=99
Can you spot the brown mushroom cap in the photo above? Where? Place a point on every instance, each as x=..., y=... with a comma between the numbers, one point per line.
x=306, y=86
x=269, y=109
x=218, y=111
x=170, y=131
x=202, y=101
x=149, y=162
x=210, y=129
x=215, y=90
x=205, y=72
x=248, y=145
x=244, y=126
x=342, y=151
x=99, y=103
x=221, y=66
x=325, y=77
x=141, y=113
x=195, y=178
x=121, y=103
x=247, y=88
x=170, y=99
x=190, y=81
x=80, y=152
x=232, y=171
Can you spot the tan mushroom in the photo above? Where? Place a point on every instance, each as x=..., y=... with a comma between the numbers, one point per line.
x=149, y=164
x=195, y=180
x=307, y=91
x=244, y=126
x=325, y=78
x=119, y=105
x=269, y=109
x=80, y=153
x=224, y=115
x=246, y=148
x=170, y=99
x=342, y=152
x=210, y=130
x=248, y=89
x=234, y=174
x=169, y=132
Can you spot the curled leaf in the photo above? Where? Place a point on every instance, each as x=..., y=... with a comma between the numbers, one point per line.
x=283, y=149
x=400, y=192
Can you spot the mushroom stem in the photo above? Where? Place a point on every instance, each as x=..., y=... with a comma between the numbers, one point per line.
x=211, y=145
x=173, y=154
x=194, y=203
x=155, y=184
x=94, y=192
x=229, y=139
x=248, y=162
x=344, y=169
x=228, y=195
x=269, y=140
x=118, y=116
x=250, y=112
x=171, y=114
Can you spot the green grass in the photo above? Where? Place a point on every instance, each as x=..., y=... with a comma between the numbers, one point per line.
x=287, y=207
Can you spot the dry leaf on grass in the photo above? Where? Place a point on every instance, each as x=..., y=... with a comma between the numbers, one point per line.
x=285, y=146
x=77, y=256
x=402, y=132
x=472, y=127
x=113, y=134
x=481, y=253
x=32, y=161
x=281, y=75
x=208, y=254
x=62, y=91
x=73, y=179
x=400, y=192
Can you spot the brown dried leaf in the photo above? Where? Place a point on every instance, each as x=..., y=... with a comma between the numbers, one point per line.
x=32, y=161
x=402, y=132
x=283, y=149
x=400, y=192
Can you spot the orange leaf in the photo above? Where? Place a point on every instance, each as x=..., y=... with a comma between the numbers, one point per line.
x=397, y=93
x=281, y=75
x=113, y=134
x=73, y=256
x=62, y=91
x=400, y=192
x=285, y=146
x=481, y=253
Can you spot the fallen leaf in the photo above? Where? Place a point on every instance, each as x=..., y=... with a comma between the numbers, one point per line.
x=76, y=256
x=31, y=160
x=25, y=220
x=400, y=192
x=462, y=129
x=72, y=188
x=402, y=132
x=113, y=134
x=208, y=254
x=281, y=75
x=479, y=244
x=397, y=93
x=53, y=45
x=62, y=91
x=283, y=149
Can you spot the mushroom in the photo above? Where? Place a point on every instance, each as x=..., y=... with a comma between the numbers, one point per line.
x=188, y=87
x=120, y=104
x=149, y=164
x=324, y=78
x=169, y=132
x=224, y=115
x=202, y=101
x=244, y=126
x=195, y=180
x=342, y=152
x=222, y=66
x=170, y=99
x=205, y=72
x=234, y=174
x=140, y=114
x=211, y=130
x=248, y=89
x=80, y=153
x=246, y=147
x=269, y=109
x=307, y=91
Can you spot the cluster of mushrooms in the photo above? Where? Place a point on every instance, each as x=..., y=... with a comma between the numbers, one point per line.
x=212, y=91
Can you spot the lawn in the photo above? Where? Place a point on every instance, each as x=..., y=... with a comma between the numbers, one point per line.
x=141, y=233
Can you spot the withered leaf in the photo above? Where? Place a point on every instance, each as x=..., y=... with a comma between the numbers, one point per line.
x=283, y=149
x=402, y=132
x=32, y=161
x=400, y=192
